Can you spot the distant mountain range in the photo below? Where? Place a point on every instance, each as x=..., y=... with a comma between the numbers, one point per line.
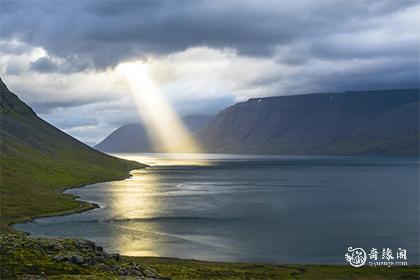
x=383, y=122
x=134, y=138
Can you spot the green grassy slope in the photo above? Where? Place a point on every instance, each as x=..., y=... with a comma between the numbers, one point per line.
x=38, y=161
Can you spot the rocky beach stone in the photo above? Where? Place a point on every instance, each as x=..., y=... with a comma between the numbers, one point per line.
x=116, y=257
x=56, y=247
x=77, y=259
x=73, y=255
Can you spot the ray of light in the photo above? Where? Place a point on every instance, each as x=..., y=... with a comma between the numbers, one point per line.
x=166, y=130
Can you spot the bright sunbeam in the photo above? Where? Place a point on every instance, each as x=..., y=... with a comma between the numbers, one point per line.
x=166, y=130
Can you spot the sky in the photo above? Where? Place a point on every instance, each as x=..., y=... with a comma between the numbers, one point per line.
x=62, y=57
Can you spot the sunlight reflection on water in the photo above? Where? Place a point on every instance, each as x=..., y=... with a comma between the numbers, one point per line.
x=250, y=208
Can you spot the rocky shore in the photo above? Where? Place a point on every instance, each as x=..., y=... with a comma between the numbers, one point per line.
x=24, y=257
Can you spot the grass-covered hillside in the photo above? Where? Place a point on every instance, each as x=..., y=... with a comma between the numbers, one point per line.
x=38, y=161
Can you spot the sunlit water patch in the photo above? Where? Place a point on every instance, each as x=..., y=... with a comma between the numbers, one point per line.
x=250, y=208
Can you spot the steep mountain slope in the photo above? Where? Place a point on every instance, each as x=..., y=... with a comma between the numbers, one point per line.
x=369, y=122
x=134, y=137
x=38, y=159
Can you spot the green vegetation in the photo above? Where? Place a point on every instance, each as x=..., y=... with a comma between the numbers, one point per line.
x=67, y=258
x=38, y=162
x=178, y=269
x=49, y=258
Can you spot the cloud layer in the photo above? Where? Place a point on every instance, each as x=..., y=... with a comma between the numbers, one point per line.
x=61, y=56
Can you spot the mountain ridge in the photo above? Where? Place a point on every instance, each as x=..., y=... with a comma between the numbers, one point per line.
x=319, y=123
x=37, y=160
x=134, y=137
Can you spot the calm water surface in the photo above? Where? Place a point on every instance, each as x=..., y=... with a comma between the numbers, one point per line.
x=250, y=208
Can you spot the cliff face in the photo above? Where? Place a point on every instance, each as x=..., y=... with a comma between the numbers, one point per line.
x=370, y=122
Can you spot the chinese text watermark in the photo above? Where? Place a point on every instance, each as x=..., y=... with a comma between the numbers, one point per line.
x=358, y=257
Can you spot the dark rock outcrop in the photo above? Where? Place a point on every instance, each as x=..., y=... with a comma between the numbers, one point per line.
x=24, y=257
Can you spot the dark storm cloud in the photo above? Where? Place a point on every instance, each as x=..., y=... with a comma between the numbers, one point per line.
x=48, y=106
x=68, y=65
x=43, y=65
x=397, y=75
x=107, y=32
x=300, y=46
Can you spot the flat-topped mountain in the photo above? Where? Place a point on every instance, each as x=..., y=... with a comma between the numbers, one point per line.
x=134, y=137
x=382, y=122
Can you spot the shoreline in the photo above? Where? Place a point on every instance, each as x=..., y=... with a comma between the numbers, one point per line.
x=183, y=269
x=83, y=205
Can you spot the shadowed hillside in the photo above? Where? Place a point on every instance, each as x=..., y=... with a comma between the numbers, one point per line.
x=371, y=122
x=38, y=160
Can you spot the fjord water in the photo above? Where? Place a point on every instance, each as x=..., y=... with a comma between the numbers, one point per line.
x=275, y=209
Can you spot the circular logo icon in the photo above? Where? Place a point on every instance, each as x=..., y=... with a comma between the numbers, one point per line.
x=355, y=257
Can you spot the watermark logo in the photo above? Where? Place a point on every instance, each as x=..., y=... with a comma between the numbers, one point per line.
x=357, y=257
